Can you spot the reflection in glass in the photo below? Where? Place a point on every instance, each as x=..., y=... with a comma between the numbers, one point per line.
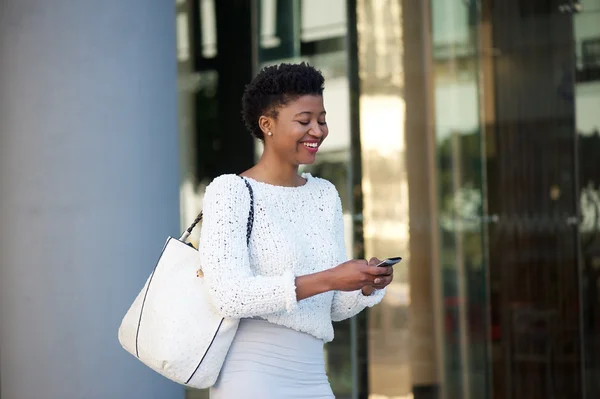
x=586, y=28
x=208, y=28
x=485, y=179
x=531, y=183
x=278, y=30
x=385, y=191
x=458, y=137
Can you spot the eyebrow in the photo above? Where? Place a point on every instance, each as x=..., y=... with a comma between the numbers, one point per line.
x=309, y=113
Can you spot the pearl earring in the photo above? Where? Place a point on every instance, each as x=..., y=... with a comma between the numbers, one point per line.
x=270, y=134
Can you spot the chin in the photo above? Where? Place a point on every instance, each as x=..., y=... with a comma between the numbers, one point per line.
x=307, y=161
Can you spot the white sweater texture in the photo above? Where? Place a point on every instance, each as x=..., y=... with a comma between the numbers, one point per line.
x=296, y=231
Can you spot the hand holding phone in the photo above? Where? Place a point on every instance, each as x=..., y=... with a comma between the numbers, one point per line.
x=389, y=262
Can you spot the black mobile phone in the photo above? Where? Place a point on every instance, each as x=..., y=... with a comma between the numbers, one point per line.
x=389, y=261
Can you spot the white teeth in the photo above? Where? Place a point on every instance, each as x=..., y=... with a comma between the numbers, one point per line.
x=311, y=145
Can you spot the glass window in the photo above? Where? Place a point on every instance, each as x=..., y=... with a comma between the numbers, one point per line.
x=464, y=137
x=493, y=116
x=385, y=193
x=586, y=27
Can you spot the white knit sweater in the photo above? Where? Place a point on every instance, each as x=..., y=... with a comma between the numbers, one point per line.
x=297, y=231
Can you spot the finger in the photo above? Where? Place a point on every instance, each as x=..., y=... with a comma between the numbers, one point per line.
x=381, y=282
x=360, y=264
x=379, y=270
x=374, y=261
x=388, y=280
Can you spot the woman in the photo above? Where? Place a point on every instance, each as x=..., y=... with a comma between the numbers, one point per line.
x=292, y=279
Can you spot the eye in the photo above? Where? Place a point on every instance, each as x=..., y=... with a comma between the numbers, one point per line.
x=303, y=123
x=322, y=123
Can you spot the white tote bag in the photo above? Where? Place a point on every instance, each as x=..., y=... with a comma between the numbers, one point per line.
x=172, y=326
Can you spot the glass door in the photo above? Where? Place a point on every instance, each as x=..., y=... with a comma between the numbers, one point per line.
x=534, y=274
x=586, y=97
x=459, y=143
x=516, y=105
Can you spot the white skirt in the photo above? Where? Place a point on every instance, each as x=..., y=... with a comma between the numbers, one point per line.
x=267, y=361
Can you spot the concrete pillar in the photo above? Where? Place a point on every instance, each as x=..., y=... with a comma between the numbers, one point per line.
x=88, y=190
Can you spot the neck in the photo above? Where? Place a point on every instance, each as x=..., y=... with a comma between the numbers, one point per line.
x=275, y=171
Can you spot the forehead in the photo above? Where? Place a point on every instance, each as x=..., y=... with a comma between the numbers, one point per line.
x=308, y=103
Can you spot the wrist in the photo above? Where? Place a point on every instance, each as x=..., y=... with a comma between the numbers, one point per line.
x=329, y=280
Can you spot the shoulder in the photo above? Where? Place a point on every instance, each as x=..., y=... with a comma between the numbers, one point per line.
x=226, y=184
x=326, y=189
x=227, y=191
x=323, y=185
x=226, y=198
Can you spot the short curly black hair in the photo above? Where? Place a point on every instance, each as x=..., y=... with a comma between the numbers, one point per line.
x=275, y=86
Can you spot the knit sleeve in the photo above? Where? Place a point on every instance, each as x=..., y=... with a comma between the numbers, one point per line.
x=225, y=261
x=347, y=304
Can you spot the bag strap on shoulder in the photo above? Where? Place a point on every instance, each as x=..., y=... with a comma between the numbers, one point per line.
x=249, y=224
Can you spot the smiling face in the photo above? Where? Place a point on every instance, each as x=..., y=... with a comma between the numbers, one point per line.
x=297, y=130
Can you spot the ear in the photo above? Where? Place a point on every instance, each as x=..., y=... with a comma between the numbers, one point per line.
x=266, y=124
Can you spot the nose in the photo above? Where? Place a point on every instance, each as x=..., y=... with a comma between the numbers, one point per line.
x=316, y=131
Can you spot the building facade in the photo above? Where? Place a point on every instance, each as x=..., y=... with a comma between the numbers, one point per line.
x=464, y=137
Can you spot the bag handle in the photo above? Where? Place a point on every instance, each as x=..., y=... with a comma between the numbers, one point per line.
x=249, y=225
